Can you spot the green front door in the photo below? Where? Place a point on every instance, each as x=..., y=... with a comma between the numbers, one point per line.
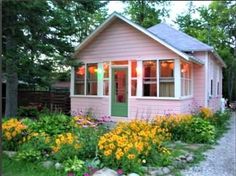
x=119, y=94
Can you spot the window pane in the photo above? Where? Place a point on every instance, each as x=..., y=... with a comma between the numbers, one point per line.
x=167, y=89
x=106, y=87
x=149, y=78
x=133, y=87
x=106, y=70
x=166, y=78
x=79, y=80
x=167, y=68
x=92, y=79
x=133, y=69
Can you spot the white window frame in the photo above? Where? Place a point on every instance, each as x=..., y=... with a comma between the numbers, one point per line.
x=188, y=79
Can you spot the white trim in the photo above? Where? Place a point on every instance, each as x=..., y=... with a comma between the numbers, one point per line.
x=100, y=80
x=206, y=78
x=177, y=78
x=158, y=77
x=157, y=98
x=87, y=96
x=110, y=85
x=143, y=30
x=72, y=81
x=139, y=79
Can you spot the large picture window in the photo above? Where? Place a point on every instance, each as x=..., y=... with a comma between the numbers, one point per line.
x=149, y=78
x=166, y=78
x=186, y=79
x=79, y=80
x=92, y=79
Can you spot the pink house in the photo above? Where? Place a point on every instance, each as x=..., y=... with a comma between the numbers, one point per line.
x=130, y=72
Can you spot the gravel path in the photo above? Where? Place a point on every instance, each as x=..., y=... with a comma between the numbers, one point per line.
x=221, y=160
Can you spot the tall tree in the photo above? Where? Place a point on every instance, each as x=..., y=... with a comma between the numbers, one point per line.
x=38, y=37
x=216, y=26
x=147, y=13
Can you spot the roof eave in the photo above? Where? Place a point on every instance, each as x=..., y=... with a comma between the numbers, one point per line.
x=219, y=58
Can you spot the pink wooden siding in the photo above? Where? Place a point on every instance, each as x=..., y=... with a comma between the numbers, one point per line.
x=120, y=41
x=214, y=72
x=99, y=106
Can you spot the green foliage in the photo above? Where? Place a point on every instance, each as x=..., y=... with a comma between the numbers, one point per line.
x=53, y=124
x=66, y=151
x=146, y=13
x=11, y=167
x=30, y=155
x=74, y=165
x=88, y=139
x=199, y=131
x=28, y=111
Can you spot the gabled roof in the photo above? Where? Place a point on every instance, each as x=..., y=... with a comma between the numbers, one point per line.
x=178, y=39
x=161, y=37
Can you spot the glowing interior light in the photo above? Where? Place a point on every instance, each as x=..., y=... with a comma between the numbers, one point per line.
x=183, y=70
x=138, y=71
x=81, y=71
x=163, y=64
x=172, y=66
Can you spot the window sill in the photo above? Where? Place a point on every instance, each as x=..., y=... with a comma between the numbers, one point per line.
x=155, y=98
x=87, y=96
x=186, y=97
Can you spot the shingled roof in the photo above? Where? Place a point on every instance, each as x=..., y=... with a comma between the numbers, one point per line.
x=178, y=39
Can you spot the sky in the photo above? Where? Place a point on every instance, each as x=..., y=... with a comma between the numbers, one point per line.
x=176, y=7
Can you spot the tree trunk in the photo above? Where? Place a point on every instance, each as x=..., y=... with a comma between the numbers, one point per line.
x=12, y=79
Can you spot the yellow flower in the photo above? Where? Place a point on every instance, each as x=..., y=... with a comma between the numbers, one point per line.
x=131, y=156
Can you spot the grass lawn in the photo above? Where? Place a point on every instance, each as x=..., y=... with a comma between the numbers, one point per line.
x=15, y=168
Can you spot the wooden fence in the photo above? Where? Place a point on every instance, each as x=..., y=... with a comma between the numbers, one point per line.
x=55, y=101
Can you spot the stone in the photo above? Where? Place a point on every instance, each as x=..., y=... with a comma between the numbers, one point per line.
x=171, y=167
x=165, y=170
x=156, y=172
x=47, y=164
x=189, y=158
x=58, y=166
x=133, y=174
x=105, y=172
x=10, y=154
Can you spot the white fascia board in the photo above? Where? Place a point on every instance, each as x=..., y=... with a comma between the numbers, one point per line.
x=219, y=58
x=143, y=30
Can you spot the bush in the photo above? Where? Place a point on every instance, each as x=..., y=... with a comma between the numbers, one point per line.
x=175, y=123
x=53, y=124
x=13, y=132
x=30, y=155
x=28, y=111
x=88, y=138
x=199, y=131
x=129, y=143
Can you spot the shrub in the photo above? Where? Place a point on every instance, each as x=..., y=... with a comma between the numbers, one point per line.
x=53, y=124
x=74, y=166
x=130, y=142
x=28, y=111
x=206, y=113
x=30, y=155
x=175, y=123
x=88, y=138
x=199, y=131
x=13, y=132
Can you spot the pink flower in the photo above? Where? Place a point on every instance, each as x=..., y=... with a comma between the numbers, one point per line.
x=86, y=174
x=119, y=171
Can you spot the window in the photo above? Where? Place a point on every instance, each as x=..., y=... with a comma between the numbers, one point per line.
x=211, y=87
x=166, y=78
x=133, y=78
x=186, y=79
x=92, y=79
x=218, y=88
x=79, y=80
x=149, y=78
x=105, y=78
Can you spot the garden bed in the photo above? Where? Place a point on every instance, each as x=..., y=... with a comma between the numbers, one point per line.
x=82, y=145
